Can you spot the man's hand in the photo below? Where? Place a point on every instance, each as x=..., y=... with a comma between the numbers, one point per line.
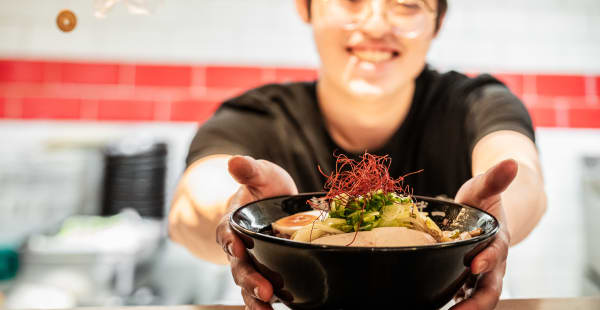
x=259, y=179
x=483, y=191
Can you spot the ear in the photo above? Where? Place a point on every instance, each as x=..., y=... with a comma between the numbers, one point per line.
x=302, y=9
x=442, y=18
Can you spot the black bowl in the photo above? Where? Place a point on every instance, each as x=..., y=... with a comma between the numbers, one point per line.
x=310, y=276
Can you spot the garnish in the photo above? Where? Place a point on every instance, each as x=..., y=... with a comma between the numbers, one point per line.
x=361, y=195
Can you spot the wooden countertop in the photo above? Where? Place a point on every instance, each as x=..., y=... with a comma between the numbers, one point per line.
x=583, y=303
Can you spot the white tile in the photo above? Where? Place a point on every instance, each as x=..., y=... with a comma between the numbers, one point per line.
x=537, y=35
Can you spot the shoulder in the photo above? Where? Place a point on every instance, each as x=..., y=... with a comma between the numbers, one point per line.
x=458, y=86
x=269, y=98
x=247, y=123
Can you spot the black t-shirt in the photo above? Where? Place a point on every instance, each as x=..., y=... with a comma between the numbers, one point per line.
x=449, y=113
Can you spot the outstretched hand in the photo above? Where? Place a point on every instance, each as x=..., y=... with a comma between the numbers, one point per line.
x=258, y=179
x=483, y=191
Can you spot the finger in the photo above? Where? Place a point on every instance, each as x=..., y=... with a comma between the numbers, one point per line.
x=250, y=280
x=253, y=303
x=245, y=170
x=232, y=245
x=262, y=178
x=486, y=295
x=492, y=182
x=492, y=256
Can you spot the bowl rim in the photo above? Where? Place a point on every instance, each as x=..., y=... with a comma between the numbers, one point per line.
x=304, y=245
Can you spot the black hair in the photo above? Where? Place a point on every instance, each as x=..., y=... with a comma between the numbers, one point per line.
x=441, y=10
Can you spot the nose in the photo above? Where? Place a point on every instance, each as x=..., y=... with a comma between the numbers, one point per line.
x=375, y=23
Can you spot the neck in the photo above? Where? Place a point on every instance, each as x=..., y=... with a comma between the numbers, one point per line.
x=361, y=123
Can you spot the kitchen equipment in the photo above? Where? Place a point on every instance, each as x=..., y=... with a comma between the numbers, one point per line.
x=135, y=177
x=591, y=206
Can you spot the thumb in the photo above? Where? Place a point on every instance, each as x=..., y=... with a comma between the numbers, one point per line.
x=493, y=182
x=262, y=178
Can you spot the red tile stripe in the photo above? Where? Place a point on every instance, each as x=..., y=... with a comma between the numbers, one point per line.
x=39, y=89
x=50, y=108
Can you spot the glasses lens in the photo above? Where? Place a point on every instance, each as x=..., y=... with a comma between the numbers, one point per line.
x=407, y=17
x=407, y=7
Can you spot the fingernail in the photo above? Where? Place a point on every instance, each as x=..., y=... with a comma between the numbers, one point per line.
x=482, y=267
x=229, y=249
x=256, y=291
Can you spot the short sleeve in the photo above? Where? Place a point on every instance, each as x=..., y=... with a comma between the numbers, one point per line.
x=493, y=108
x=234, y=130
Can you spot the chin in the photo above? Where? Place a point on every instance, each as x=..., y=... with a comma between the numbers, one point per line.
x=361, y=87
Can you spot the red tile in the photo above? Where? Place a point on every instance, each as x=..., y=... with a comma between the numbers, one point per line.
x=529, y=87
x=51, y=108
x=543, y=116
x=598, y=86
x=125, y=110
x=21, y=71
x=576, y=102
x=198, y=78
x=89, y=109
x=90, y=73
x=584, y=117
x=127, y=74
x=560, y=85
x=2, y=113
x=240, y=77
x=513, y=81
x=192, y=110
x=154, y=75
x=286, y=75
x=53, y=72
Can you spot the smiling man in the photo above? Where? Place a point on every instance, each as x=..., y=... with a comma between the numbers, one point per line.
x=472, y=136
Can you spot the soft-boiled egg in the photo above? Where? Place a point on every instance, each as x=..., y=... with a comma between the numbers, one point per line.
x=290, y=224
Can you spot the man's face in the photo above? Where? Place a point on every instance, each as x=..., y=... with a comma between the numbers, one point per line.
x=372, y=47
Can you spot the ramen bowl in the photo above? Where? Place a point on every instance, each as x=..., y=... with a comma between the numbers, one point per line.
x=312, y=276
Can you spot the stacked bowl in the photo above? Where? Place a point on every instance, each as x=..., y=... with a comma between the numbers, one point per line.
x=135, y=178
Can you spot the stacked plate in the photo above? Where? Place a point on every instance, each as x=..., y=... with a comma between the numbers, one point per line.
x=135, y=178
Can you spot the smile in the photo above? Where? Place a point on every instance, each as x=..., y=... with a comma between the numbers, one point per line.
x=373, y=55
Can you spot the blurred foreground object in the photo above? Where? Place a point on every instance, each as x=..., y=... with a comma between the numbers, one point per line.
x=66, y=20
x=144, y=7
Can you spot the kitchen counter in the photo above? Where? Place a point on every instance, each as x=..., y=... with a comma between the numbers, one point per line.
x=583, y=303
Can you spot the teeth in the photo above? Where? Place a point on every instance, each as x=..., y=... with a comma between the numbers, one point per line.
x=373, y=56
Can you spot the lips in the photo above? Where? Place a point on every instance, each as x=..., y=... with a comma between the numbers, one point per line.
x=373, y=54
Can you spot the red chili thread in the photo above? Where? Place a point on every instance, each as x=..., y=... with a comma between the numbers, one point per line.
x=360, y=178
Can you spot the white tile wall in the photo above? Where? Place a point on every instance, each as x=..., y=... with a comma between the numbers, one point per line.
x=514, y=35
x=510, y=35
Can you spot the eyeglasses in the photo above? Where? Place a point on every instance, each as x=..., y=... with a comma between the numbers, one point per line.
x=407, y=17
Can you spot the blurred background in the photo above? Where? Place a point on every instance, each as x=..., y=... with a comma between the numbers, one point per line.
x=95, y=124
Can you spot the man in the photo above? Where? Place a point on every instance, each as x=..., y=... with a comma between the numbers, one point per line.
x=472, y=137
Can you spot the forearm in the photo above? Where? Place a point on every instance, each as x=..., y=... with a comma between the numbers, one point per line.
x=199, y=205
x=524, y=202
x=525, y=199
x=194, y=227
